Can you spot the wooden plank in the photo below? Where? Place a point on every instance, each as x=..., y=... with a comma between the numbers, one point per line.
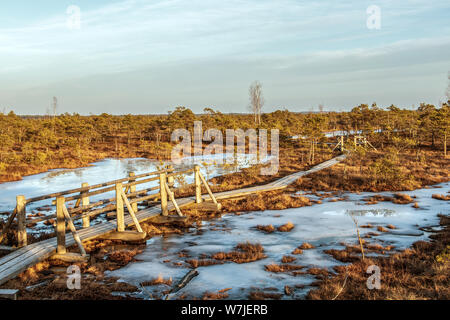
x=9, y=294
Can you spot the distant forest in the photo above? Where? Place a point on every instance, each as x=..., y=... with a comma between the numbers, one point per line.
x=29, y=144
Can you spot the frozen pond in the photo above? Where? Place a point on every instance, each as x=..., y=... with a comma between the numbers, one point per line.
x=107, y=170
x=326, y=226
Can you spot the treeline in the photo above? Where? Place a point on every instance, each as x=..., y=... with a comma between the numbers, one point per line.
x=70, y=140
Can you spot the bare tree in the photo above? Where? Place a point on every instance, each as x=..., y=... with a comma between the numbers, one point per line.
x=256, y=100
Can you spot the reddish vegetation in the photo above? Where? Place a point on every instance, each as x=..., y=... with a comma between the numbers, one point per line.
x=288, y=259
x=261, y=295
x=306, y=246
x=202, y=262
x=282, y=267
x=421, y=272
x=273, y=200
x=243, y=253
x=441, y=197
x=266, y=228
x=156, y=281
x=409, y=171
x=221, y=294
x=286, y=227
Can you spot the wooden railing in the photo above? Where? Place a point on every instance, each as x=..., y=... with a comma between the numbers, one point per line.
x=126, y=195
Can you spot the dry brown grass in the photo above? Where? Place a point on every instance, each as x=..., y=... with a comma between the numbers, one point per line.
x=272, y=200
x=306, y=246
x=266, y=228
x=421, y=272
x=297, y=251
x=441, y=197
x=202, y=262
x=157, y=281
x=261, y=295
x=288, y=259
x=243, y=253
x=348, y=175
x=286, y=227
x=284, y=268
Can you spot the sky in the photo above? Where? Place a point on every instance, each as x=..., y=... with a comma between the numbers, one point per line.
x=149, y=56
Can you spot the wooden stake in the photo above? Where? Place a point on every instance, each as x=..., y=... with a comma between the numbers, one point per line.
x=213, y=198
x=198, y=185
x=85, y=202
x=133, y=189
x=73, y=230
x=60, y=226
x=163, y=194
x=131, y=211
x=172, y=198
x=119, y=208
x=21, y=221
x=170, y=180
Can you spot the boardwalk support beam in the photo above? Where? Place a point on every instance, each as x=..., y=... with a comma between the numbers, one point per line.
x=134, y=205
x=198, y=185
x=213, y=198
x=21, y=221
x=163, y=194
x=85, y=202
x=119, y=208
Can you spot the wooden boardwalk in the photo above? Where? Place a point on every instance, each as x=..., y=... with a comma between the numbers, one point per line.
x=16, y=262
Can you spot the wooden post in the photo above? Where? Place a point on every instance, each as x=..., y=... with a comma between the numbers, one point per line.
x=132, y=212
x=60, y=225
x=342, y=143
x=119, y=208
x=21, y=221
x=163, y=194
x=85, y=202
x=133, y=189
x=172, y=198
x=170, y=179
x=198, y=185
x=211, y=194
x=75, y=235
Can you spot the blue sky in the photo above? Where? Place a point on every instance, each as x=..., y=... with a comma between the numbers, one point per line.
x=136, y=56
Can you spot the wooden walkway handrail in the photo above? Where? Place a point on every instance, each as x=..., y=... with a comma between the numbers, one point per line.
x=96, y=186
